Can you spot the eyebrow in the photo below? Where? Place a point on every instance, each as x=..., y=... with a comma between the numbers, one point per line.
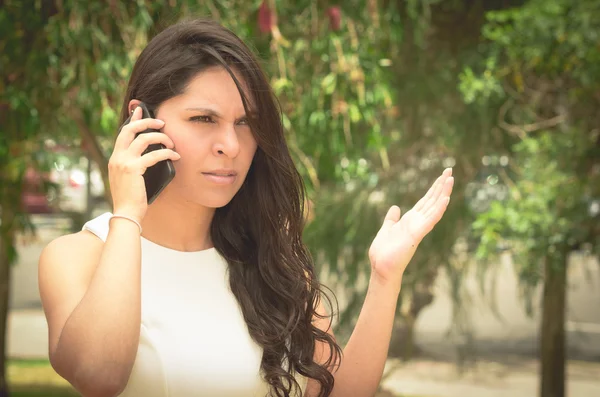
x=212, y=112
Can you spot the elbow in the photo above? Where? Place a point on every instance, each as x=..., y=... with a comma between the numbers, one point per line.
x=93, y=380
x=99, y=382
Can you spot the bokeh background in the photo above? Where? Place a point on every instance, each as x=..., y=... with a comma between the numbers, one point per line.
x=377, y=97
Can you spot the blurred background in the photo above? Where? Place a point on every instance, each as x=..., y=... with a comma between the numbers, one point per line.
x=378, y=96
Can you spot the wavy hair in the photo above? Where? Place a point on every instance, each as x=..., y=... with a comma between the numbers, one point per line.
x=259, y=232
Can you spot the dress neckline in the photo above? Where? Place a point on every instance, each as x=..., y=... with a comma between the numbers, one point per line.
x=178, y=252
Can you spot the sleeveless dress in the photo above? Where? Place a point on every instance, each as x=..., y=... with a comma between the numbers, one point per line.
x=193, y=338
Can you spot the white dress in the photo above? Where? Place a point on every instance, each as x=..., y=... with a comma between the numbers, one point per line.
x=193, y=338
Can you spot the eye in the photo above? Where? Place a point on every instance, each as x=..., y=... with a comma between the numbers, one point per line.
x=243, y=122
x=201, y=119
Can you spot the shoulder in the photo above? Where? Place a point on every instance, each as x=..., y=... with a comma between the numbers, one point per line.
x=72, y=245
x=81, y=244
x=72, y=257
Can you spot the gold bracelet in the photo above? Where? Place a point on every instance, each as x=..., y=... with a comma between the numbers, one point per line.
x=128, y=218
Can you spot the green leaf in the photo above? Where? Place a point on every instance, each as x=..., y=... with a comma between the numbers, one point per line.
x=329, y=83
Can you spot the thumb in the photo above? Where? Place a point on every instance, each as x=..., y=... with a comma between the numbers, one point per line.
x=392, y=216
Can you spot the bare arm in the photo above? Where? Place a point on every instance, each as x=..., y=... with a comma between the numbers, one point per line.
x=361, y=368
x=91, y=290
x=91, y=296
x=392, y=249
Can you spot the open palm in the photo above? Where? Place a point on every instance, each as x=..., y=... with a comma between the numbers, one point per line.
x=397, y=240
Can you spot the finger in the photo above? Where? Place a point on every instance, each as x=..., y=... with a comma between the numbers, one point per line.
x=142, y=141
x=129, y=132
x=437, y=191
x=443, y=199
x=153, y=157
x=137, y=113
x=119, y=142
x=421, y=203
x=448, y=188
x=392, y=216
x=424, y=199
x=436, y=215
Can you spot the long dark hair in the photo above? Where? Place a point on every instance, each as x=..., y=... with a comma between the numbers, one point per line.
x=259, y=232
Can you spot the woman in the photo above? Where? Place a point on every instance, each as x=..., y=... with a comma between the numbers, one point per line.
x=209, y=291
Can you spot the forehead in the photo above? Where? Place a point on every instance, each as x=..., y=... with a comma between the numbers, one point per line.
x=215, y=85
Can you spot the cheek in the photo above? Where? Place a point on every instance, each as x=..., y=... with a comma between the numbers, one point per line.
x=186, y=149
x=188, y=145
x=249, y=142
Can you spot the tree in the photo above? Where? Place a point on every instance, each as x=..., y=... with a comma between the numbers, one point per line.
x=543, y=65
x=25, y=102
x=427, y=127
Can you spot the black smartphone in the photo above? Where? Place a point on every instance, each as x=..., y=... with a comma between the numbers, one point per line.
x=158, y=176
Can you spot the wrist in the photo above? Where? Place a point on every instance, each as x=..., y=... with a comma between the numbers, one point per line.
x=391, y=287
x=126, y=219
x=129, y=211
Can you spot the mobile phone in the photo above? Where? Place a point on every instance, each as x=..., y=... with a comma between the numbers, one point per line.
x=158, y=176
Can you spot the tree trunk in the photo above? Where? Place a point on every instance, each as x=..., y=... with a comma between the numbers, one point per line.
x=7, y=247
x=553, y=340
x=94, y=152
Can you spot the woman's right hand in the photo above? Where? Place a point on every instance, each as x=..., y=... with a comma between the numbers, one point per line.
x=126, y=166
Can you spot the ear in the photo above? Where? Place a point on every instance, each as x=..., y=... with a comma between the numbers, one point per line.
x=134, y=103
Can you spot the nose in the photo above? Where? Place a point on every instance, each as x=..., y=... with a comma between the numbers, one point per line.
x=227, y=142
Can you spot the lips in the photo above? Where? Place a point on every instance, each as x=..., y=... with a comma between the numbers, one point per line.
x=221, y=172
x=221, y=177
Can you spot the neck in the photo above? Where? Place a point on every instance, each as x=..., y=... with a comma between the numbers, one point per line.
x=177, y=224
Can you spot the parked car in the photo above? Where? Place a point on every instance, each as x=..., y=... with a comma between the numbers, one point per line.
x=73, y=180
x=35, y=198
x=70, y=191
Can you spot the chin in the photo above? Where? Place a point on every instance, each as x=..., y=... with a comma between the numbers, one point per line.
x=214, y=201
x=215, y=204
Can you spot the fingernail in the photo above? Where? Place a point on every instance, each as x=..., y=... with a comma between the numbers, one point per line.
x=162, y=122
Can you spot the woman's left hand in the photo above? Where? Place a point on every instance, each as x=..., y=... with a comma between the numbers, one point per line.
x=397, y=240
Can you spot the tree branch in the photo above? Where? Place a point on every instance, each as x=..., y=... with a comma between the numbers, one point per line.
x=522, y=130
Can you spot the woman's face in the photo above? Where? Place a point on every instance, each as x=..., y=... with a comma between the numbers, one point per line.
x=208, y=125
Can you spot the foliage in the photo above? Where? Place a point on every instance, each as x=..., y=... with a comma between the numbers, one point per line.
x=545, y=56
x=24, y=103
x=543, y=65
